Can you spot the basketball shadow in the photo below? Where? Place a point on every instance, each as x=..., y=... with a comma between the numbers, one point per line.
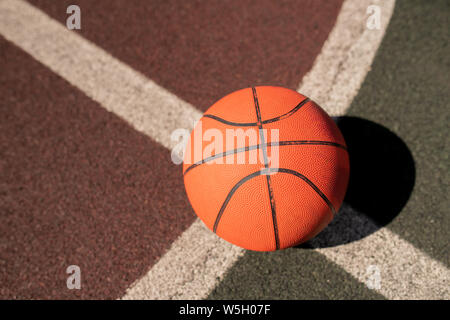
x=382, y=175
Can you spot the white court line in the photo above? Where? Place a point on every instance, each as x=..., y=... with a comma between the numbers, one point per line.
x=120, y=89
x=405, y=271
x=198, y=259
x=333, y=82
x=346, y=57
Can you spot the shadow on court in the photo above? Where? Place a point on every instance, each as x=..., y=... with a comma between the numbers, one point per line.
x=382, y=175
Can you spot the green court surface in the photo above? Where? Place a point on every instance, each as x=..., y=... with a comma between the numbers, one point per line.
x=407, y=92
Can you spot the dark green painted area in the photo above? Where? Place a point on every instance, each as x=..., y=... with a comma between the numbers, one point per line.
x=289, y=274
x=407, y=91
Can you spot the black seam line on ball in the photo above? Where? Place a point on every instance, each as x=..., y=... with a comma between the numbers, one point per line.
x=266, y=172
x=235, y=124
x=287, y=114
x=260, y=127
x=270, y=144
x=254, y=124
x=274, y=213
x=266, y=165
x=312, y=185
x=230, y=194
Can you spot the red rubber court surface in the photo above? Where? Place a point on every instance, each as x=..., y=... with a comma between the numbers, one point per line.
x=203, y=50
x=79, y=185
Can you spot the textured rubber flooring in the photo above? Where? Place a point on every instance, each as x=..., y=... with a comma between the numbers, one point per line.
x=290, y=274
x=408, y=92
x=203, y=50
x=79, y=186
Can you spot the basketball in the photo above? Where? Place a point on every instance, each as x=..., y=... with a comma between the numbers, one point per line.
x=266, y=168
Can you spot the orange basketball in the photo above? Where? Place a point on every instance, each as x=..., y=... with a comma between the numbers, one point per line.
x=266, y=168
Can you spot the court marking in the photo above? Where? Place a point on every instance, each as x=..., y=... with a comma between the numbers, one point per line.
x=145, y=105
x=198, y=259
x=346, y=57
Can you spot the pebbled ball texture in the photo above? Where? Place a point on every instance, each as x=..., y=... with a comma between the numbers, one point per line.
x=273, y=192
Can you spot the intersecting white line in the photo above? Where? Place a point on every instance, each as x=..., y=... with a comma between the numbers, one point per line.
x=198, y=259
